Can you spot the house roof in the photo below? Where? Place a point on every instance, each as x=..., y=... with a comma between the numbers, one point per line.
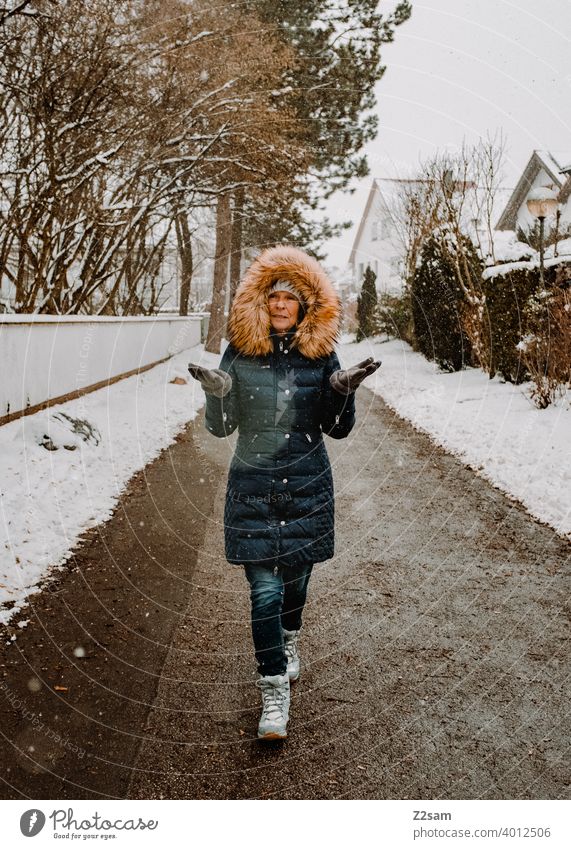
x=389, y=186
x=372, y=192
x=565, y=192
x=551, y=162
x=384, y=187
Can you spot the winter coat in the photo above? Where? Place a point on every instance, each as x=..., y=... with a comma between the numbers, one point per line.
x=279, y=508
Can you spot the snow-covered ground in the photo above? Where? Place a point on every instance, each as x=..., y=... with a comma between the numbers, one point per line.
x=490, y=425
x=48, y=498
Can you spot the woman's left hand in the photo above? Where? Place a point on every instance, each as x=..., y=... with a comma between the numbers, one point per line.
x=346, y=381
x=213, y=381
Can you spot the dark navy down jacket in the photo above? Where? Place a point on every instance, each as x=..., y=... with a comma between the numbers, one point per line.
x=279, y=508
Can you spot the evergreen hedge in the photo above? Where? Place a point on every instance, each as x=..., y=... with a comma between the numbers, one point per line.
x=506, y=322
x=437, y=305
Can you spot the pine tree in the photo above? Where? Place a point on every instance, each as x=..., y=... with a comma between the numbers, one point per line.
x=367, y=306
x=330, y=89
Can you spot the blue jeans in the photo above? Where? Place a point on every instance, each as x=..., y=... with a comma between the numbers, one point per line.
x=277, y=603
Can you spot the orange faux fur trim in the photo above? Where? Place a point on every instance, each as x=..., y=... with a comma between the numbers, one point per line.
x=249, y=324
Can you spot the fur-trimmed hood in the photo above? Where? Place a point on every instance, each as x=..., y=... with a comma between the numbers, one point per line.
x=249, y=324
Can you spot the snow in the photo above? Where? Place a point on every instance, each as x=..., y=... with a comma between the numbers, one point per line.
x=507, y=247
x=555, y=160
x=563, y=248
x=491, y=426
x=496, y=270
x=48, y=498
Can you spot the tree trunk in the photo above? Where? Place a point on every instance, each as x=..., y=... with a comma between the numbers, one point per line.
x=236, y=245
x=221, y=256
x=185, y=253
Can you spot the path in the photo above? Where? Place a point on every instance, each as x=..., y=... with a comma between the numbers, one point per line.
x=435, y=646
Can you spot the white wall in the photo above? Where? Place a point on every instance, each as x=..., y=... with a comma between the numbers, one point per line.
x=44, y=357
x=380, y=248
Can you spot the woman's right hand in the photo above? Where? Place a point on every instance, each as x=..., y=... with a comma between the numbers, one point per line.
x=213, y=381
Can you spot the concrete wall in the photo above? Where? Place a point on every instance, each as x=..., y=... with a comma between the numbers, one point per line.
x=46, y=357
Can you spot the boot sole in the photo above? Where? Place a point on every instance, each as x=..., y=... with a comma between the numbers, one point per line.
x=272, y=735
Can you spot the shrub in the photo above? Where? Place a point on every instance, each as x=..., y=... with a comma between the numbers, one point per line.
x=506, y=320
x=437, y=308
x=546, y=347
x=395, y=316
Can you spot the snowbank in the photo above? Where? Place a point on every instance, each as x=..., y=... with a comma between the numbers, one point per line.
x=48, y=498
x=491, y=426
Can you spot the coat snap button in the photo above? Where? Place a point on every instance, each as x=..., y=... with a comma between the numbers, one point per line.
x=282, y=522
x=286, y=435
x=287, y=392
x=284, y=480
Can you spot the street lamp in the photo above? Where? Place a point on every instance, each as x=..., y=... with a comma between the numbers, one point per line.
x=541, y=202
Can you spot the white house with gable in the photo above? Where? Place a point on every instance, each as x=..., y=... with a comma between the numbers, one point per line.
x=377, y=242
x=544, y=168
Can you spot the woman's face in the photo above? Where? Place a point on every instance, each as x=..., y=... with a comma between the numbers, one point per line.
x=284, y=311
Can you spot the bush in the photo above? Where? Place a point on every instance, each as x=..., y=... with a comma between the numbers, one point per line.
x=546, y=348
x=506, y=320
x=437, y=308
x=395, y=316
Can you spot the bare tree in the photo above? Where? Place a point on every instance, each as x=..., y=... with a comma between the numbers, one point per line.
x=451, y=193
x=488, y=158
x=414, y=210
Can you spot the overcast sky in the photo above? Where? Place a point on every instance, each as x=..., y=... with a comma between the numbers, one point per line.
x=461, y=68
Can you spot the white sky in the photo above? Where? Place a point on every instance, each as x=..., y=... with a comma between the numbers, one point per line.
x=461, y=68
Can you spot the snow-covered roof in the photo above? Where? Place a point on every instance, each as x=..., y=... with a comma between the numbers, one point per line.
x=551, y=163
x=555, y=160
x=372, y=192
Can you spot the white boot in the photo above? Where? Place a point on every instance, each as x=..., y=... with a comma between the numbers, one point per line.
x=290, y=646
x=275, y=706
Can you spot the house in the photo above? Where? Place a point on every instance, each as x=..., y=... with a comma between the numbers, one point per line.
x=545, y=168
x=377, y=241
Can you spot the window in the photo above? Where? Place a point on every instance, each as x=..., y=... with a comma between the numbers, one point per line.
x=394, y=264
x=374, y=231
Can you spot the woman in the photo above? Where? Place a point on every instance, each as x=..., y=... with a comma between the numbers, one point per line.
x=280, y=384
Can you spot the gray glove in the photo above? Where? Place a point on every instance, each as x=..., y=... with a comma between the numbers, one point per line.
x=213, y=381
x=346, y=381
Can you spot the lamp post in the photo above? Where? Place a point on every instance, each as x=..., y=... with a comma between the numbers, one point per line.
x=557, y=222
x=541, y=202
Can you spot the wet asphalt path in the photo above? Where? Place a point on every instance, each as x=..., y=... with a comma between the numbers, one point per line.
x=435, y=647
